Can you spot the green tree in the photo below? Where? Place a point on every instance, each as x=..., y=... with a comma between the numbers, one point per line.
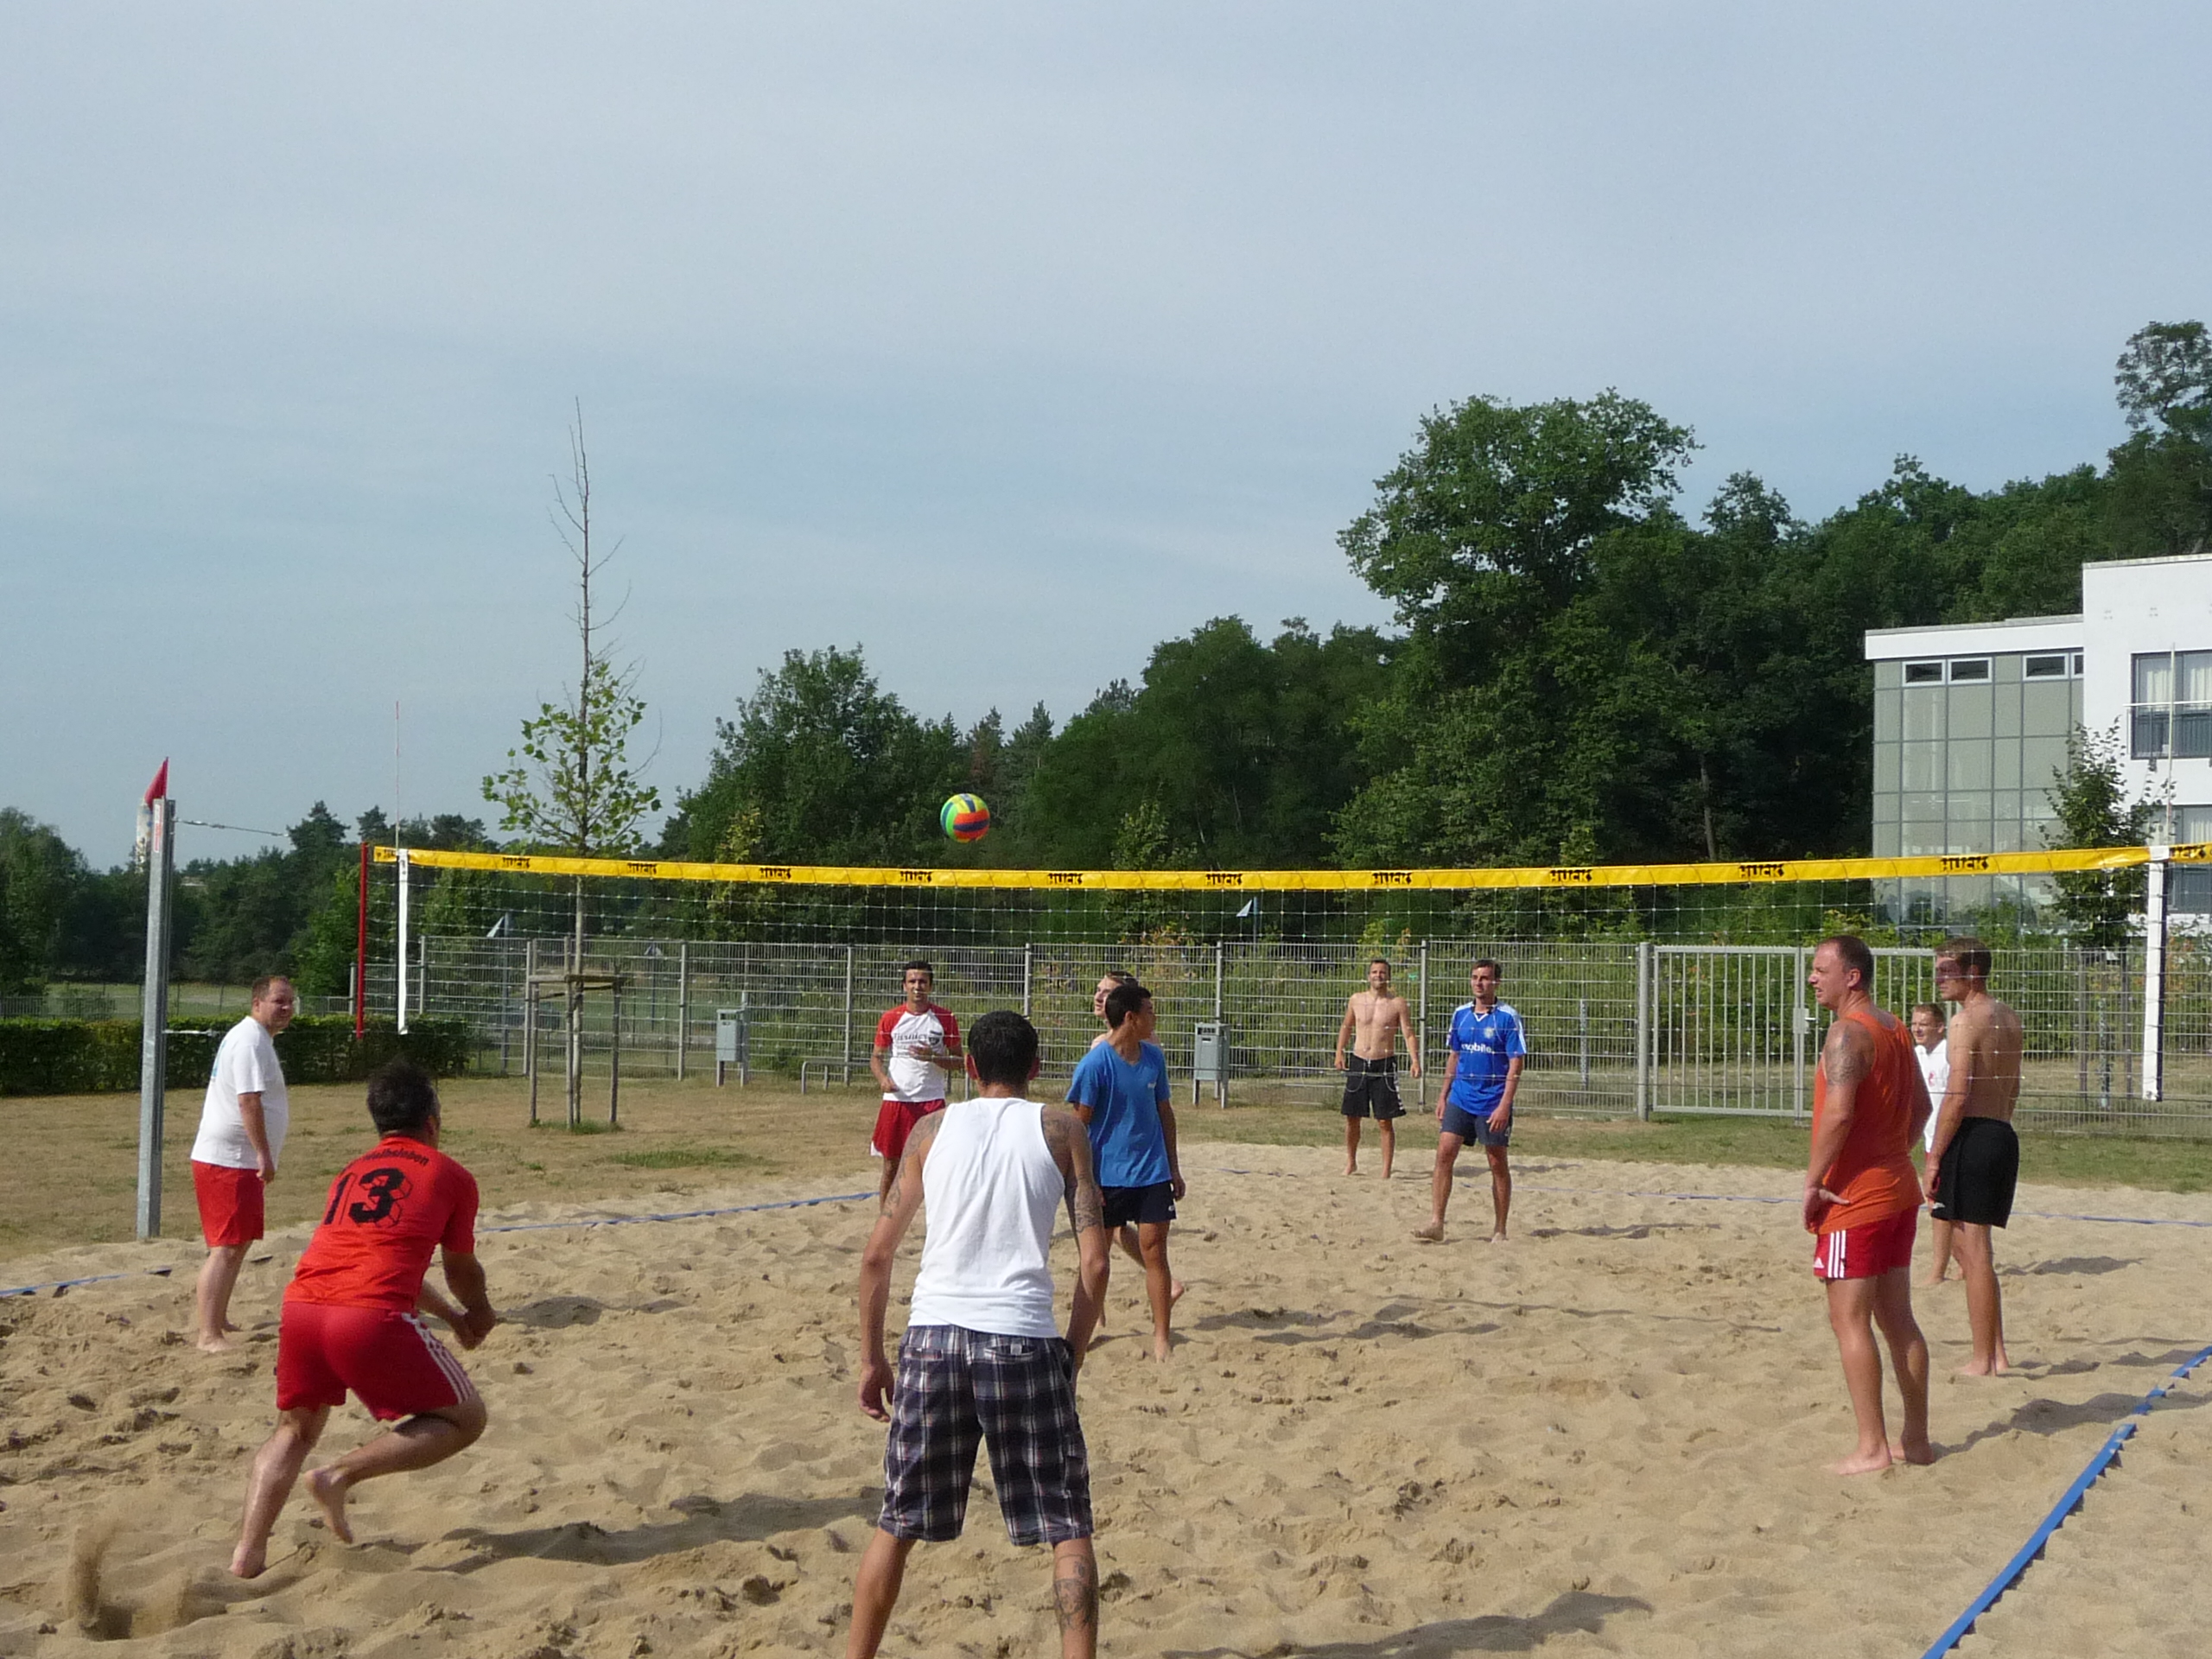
x=821, y=766
x=40, y=876
x=2090, y=796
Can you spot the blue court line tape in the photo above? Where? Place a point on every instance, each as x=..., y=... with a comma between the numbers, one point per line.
x=507, y=1227
x=2065, y=1506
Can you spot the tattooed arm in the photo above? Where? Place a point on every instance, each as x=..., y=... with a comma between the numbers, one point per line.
x=1845, y=1057
x=1069, y=1143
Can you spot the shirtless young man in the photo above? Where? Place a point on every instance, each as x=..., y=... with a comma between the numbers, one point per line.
x=1373, y=1019
x=1862, y=1202
x=1974, y=1157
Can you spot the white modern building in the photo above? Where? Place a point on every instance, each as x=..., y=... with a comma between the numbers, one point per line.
x=1971, y=722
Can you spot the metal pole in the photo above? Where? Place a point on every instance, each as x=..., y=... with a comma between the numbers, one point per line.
x=402, y=965
x=848, y=1014
x=1643, y=1023
x=683, y=1006
x=2154, y=978
x=529, y=1029
x=615, y=1060
x=1029, y=970
x=1420, y=1030
x=1801, y=1022
x=361, y=951
x=1220, y=952
x=154, y=1012
x=1582, y=1018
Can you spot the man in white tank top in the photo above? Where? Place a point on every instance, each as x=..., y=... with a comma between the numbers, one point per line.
x=982, y=1360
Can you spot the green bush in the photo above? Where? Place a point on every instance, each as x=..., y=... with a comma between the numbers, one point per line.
x=84, y=1057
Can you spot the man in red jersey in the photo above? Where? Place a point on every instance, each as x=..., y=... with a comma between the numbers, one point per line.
x=1862, y=1199
x=916, y=1045
x=351, y=1318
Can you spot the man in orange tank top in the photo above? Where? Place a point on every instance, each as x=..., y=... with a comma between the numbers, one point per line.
x=1862, y=1199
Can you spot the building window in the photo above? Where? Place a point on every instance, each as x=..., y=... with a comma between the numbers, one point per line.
x=1969, y=668
x=2188, y=886
x=2077, y=665
x=2050, y=667
x=2171, y=714
x=1924, y=673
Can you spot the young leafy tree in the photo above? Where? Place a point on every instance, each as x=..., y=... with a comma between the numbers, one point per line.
x=2096, y=908
x=570, y=787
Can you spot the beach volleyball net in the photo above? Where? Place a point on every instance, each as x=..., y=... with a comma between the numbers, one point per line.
x=1646, y=990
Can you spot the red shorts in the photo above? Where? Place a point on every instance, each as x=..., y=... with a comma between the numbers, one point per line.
x=1867, y=1251
x=390, y=1360
x=230, y=1202
x=896, y=1122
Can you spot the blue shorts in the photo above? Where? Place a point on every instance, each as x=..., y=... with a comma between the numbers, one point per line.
x=1474, y=1128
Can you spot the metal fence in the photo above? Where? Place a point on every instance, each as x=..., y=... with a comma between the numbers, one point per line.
x=1615, y=1029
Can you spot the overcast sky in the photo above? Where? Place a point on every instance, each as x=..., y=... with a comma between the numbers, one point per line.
x=1004, y=342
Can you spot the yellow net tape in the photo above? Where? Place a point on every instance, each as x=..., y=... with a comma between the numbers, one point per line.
x=1597, y=875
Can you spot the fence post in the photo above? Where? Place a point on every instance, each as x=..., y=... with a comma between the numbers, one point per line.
x=529, y=1021
x=1644, y=1000
x=1027, y=969
x=1801, y=1022
x=2154, y=976
x=1582, y=1024
x=847, y=1055
x=683, y=1006
x=1421, y=1031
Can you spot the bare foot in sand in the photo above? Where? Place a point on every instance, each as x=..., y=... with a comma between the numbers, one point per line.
x=1175, y=1289
x=1862, y=1463
x=1921, y=1453
x=328, y=1487
x=249, y=1563
x=1432, y=1234
x=1996, y=1367
x=216, y=1345
x=1497, y=1238
x=1162, y=1349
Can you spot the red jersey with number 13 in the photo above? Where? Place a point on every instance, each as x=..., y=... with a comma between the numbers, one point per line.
x=388, y=1210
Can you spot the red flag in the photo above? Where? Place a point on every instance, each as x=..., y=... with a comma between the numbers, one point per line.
x=159, y=789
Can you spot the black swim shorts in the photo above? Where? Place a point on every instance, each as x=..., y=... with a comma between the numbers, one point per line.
x=1979, y=1169
x=1140, y=1205
x=1474, y=1128
x=1371, y=1088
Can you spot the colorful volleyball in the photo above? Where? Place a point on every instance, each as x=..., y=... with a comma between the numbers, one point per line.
x=965, y=817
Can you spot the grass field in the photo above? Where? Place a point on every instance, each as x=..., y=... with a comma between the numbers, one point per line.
x=689, y=1137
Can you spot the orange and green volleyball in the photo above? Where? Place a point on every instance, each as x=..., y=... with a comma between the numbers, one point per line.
x=964, y=818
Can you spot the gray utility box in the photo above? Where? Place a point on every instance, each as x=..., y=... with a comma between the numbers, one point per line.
x=733, y=1042
x=1210, y=1059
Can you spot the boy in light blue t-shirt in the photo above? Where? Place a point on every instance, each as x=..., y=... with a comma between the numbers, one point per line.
x=1120, y=1090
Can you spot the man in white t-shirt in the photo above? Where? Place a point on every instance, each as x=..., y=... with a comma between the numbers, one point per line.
x=234, y=1157
x=1933, y=1049
x=917, y=1043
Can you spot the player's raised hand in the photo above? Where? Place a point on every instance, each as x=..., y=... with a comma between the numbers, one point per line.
x=875, y=1389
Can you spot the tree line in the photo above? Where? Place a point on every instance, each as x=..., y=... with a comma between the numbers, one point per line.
x=1580, y=672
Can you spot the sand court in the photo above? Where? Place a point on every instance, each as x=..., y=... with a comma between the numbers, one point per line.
x=1604, y=1437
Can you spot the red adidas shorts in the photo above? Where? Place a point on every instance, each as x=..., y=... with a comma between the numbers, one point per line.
x=1867, y=1251
x=390, y=1360
x=896, y=1122
x=230, y=1202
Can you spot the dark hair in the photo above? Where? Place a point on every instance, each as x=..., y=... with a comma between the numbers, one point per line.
x=1119, y=976
x=261, y=986
x=1385, y=961
x=1490, y=962
x=1936, y=1008
x=1123, y=1000
x=906, y=967
x=401, y=1097
x=1002, y=1047
x=1853, y=950
x=1970, y=953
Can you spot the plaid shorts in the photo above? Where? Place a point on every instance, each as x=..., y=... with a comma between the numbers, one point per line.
x=1016, y=1394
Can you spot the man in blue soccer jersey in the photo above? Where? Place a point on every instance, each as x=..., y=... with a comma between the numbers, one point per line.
x=1120, y=1090
x=1481, y=1074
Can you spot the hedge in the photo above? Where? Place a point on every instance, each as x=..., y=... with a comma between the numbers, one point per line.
x=83, y=1057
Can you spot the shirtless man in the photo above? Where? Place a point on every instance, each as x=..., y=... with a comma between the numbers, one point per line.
x=1862, y=1202
x=1373, y=1019
x=1974, y=1157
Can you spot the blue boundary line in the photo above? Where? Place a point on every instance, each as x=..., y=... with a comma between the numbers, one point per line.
x=2066, y=1505
x=506, y=1227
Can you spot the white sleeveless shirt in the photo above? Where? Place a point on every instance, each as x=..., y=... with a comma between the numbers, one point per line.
x=992, y=1193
